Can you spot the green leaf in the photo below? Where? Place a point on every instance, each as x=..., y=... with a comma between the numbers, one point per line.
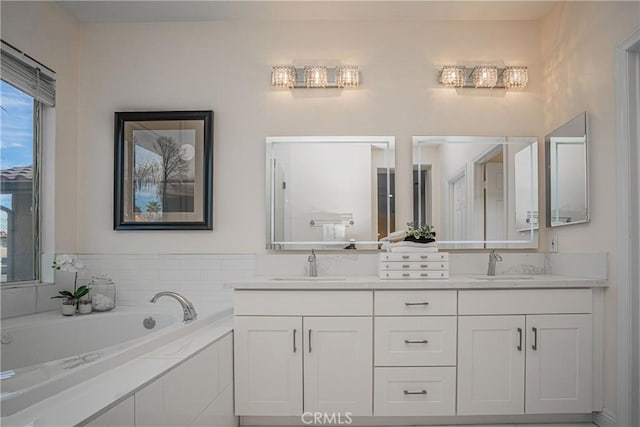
x=81, y=291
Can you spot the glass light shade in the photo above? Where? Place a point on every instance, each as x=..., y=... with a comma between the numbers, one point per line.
x=283, y=76
x=347, y=76
x=485, y=76
x=315, y=76
x=515, y=77
x=453, y=75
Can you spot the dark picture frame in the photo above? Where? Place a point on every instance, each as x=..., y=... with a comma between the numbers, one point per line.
x=163, y=173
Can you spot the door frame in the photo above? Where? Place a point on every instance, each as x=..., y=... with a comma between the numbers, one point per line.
x=628, y=241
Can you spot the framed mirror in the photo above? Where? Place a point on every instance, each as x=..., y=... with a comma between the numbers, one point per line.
x=567, y=170
x=478, y=192
x=329, y=193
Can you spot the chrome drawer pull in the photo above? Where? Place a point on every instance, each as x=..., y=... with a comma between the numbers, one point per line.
x=535, y=338
x=416, y=341
x=407, y=392
x=424, y=265
x=416, y=303
x=425, y=274
x=294, y=340
x=406, y=275
x=406, y=266
x=406, y=257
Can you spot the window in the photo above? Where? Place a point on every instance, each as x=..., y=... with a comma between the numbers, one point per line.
x=25, y=91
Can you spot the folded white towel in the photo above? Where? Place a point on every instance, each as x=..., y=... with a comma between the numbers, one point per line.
x=339, y=232
x=409, y=246
x=396, y=236
x=328, y=232
x=408, y=249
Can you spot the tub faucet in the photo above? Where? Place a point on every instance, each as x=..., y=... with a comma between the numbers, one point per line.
x=493, y=258
x=313, y=265
x=187, y=308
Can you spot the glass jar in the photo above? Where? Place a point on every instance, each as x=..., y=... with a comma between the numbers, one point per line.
x=103, y=293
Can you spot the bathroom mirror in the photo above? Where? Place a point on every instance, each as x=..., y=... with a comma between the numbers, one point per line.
x=478, y=192
x=329, y=193
x=567, y=170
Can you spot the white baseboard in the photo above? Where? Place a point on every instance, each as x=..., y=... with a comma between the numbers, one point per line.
x=246, y=421
x=604, y=419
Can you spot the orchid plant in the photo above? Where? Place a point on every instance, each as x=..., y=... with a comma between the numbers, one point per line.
x=70, y=263
x=422, y=232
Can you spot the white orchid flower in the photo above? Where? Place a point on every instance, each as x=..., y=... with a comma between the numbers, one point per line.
x=68, y=263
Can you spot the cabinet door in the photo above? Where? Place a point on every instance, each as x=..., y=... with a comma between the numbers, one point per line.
x=491, y=365
x=268, y=365
x=559, y=356
x=338, y=365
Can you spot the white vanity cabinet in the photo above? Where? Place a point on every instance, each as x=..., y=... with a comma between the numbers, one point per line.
x=268, y=365
x=498, y=352
x=320, y=346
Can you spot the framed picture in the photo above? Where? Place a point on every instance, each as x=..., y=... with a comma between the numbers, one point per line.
x=163, y=170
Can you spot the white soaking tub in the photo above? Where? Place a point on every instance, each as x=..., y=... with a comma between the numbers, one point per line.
x=45, y=353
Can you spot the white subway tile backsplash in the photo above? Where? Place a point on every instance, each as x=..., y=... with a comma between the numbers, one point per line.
x=138, y=277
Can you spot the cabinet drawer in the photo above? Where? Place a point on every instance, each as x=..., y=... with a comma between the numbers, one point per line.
x=442, y=274
x=414, y=265
x=302, y=303
x=429, y=256
x=415, y=303
x=525, y=301
x=414, y=391
x=415, y=341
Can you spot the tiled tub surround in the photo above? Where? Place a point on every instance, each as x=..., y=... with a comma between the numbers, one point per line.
x=197, y=357
x=199, y=277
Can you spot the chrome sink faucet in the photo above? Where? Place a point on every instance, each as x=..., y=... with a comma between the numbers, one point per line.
x=187, y=308
x=493, y=258
x=313, y=265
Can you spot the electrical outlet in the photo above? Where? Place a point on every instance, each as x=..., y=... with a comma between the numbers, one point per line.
x=553, y=243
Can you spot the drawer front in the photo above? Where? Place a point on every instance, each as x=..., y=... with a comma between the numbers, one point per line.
x=414, y=391
x=428, y=256
x=415, y=303
x=415, y=341
x=436, y=274
x=414, y=265
x=525, y=301
x=302, y=303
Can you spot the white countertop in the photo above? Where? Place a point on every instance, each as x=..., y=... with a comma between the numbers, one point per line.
x=518, y=281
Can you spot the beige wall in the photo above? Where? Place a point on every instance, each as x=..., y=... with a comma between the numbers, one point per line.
x=578, y=47
x=225, y=66
x=49, y=34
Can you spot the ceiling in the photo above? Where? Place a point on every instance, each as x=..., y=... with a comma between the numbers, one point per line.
x=190, y=11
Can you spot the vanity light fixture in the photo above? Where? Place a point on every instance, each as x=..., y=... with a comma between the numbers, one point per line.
x=347, y=76
x=453, y=75
x=283, y=76
x=515, y=77
x=484, y=77
x=315, y=76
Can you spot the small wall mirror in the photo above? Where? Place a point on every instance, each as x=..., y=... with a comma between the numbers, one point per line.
x=329, y=192
x=478, y=192
x=567, y=167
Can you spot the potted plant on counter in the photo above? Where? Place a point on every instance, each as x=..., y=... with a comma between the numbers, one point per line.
x=71, y=264
x=70, y=299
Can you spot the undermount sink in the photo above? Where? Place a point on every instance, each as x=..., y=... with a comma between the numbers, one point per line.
x=308, y=278
x=502, y=277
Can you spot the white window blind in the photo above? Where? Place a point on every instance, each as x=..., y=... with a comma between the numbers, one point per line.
x=28, y=75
